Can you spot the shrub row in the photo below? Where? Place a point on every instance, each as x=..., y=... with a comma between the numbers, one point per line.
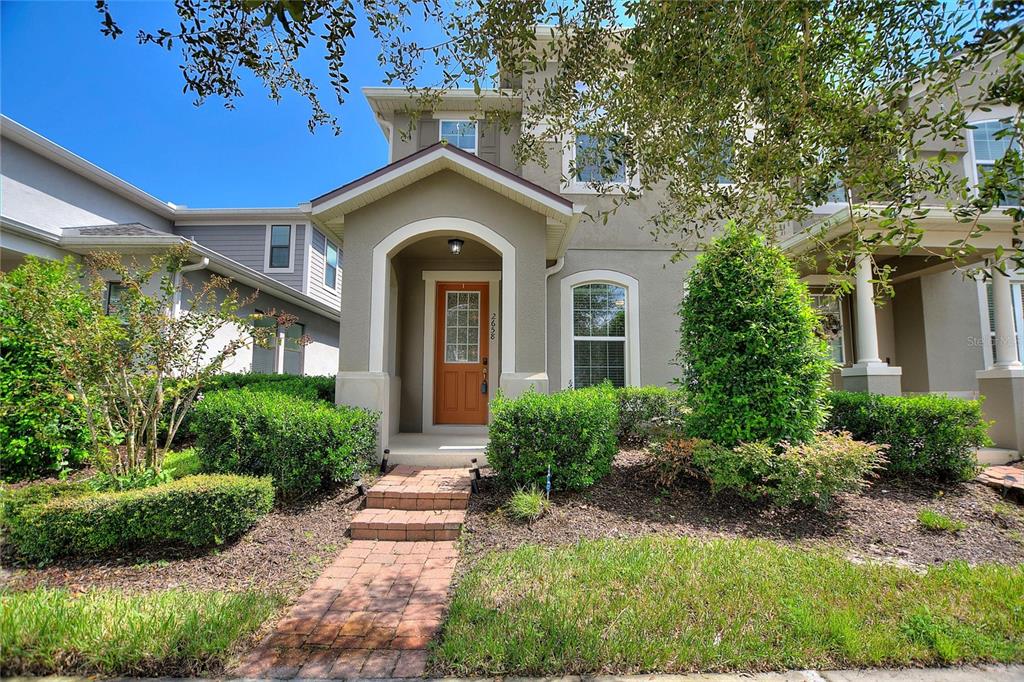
x=302, y=445
x=928, y=435
x=573, y=432
x=309, y=387
x=197, y=511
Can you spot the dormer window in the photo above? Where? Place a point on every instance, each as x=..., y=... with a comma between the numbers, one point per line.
x=461, y=134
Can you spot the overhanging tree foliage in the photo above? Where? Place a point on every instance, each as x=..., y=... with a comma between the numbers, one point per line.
x=788, y=99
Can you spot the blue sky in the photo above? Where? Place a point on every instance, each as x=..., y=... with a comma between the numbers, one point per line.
x=121, y=106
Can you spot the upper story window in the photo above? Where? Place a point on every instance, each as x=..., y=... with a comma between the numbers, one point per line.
x=597, y=161
x=331, y=265
x=462, y=134
x=280, y=245
x=989, y=145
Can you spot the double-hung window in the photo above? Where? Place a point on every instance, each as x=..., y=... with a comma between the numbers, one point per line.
x=279, y=249
x=830, y=314
x=599, y=334
x=331, y=266
x=461, y=134
x=990, y=144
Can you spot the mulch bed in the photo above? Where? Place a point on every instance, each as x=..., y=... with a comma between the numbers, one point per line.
x=878, y=524
x=284, y=553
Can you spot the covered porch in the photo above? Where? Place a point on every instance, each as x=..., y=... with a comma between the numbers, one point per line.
x=946, y=329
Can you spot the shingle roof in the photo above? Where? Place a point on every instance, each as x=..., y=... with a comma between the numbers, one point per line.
x=122, y=230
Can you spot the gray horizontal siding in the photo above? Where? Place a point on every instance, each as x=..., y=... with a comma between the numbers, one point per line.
x=247, y=245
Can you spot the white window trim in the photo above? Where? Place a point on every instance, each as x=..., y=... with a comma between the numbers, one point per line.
x=291, y=249
x=971, y=159
x=495, y=345
x=632, y=287
x=476, y=127
x=337, y=268
x=571, y=185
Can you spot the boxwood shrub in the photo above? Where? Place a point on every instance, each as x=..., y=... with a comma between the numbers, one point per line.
x=309, y=387
x=933, y=436
x=639, y=406
x=573, y=431
x=304, y=445
x=197, y=511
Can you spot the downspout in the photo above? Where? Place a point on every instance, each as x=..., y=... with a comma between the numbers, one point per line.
x=553, y=270
x=202, y=264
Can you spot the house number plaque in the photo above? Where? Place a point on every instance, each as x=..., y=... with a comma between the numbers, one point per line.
x=494, y=325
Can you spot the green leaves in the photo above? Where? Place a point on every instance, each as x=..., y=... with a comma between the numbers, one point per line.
x=572, y=431
x=304, y=445
x=754, y=368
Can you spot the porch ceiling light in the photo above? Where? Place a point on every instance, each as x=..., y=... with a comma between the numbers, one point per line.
x=455, y=246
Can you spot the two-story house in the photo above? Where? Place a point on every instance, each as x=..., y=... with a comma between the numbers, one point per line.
x=465, y=273
x=54, y=204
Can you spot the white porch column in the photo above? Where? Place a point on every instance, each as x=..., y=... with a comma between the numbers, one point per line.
x=279, y=352
x=1002, y=385
x=867, y=322
x=869, y=374
x=1007, y=356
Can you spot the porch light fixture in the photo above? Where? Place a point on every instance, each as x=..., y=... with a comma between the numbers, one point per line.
x=455, y=246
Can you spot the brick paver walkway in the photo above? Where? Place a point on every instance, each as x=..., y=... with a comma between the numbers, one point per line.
x=372, y=612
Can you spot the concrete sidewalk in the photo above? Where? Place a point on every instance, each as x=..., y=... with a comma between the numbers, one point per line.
x=987, y=673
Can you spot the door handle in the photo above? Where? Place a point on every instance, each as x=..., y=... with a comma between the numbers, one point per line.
x=483, y=387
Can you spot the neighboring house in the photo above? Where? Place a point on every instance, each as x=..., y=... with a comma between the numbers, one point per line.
x=54, y=203
x=466, y=273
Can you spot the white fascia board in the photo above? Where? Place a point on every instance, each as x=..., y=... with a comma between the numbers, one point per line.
x=24, y=229
x=450, y=161
x=48, y=149
x=191, y=217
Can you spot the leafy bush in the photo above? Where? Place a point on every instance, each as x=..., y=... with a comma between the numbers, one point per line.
x=527, y=504
x=42, y=427
x=808, y=474
x=672, y=458
x=937, y=522
x=182, y=463
x=639, y=406
x=754, y=368
x=571, y=431
x=309, y=387
x=197, y=511
x=928, y=435
x=303, y=445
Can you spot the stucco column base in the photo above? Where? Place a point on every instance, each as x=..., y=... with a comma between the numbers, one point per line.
x=375, y=391
x=873, y=377
x=514, y=384
x=1003, y=389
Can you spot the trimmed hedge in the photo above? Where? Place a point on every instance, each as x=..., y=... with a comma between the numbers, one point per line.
x=933, y=436
x=573, y=431
x=304, y=445
x=197, y=511
x=309, y=387
x=639, y=406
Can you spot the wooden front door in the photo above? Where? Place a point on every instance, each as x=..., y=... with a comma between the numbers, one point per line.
x=460, y=353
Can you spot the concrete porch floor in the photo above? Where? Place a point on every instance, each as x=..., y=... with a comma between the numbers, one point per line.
x=438, y=449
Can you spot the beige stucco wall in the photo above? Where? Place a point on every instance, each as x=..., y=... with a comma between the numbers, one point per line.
x=444, y=194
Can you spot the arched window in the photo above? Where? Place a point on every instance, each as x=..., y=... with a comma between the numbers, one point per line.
x=600, y=329
x=988, y=145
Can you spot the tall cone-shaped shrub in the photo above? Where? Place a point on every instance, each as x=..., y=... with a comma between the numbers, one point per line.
x=754, y=368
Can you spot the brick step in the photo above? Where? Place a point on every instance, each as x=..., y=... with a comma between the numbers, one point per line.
x=416, y=489
x=402, y=524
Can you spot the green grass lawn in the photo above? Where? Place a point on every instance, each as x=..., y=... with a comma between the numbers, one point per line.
x=105, y=632
x=659, y=604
